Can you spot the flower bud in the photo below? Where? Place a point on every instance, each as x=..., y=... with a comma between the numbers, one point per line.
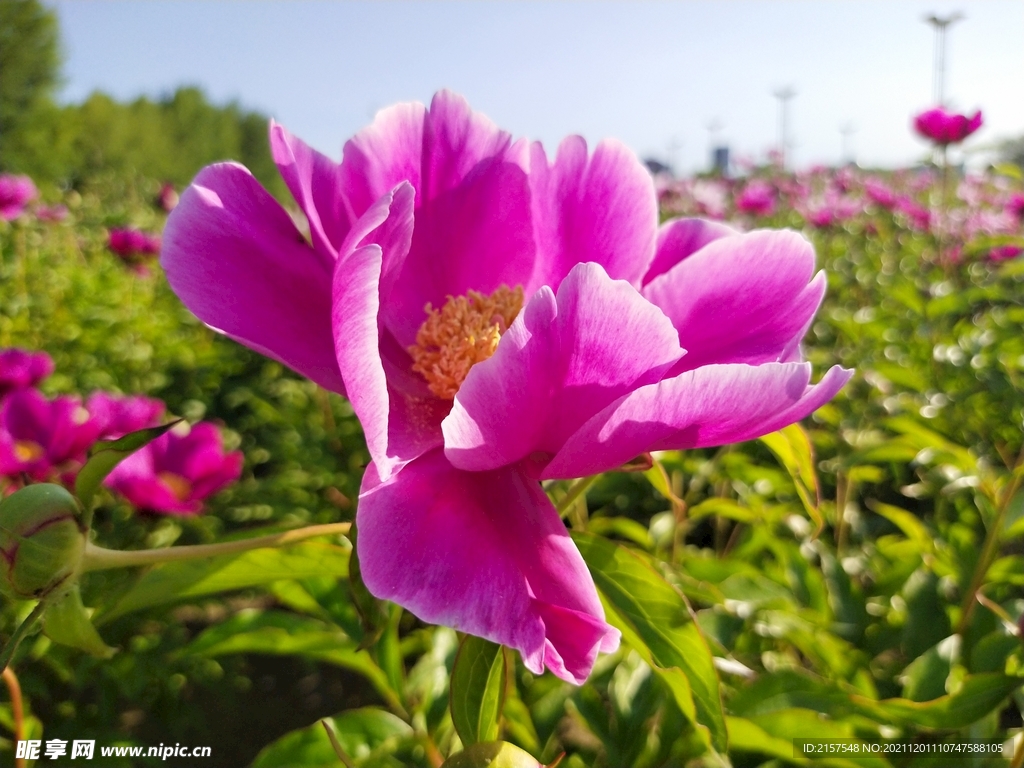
x=41, y=541
x=492, y=754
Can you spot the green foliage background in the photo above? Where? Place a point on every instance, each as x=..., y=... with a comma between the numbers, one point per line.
x=820, y=582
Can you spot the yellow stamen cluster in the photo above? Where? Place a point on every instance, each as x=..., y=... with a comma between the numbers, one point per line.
x=176, y=484
x=462, y=333
x=28, y=450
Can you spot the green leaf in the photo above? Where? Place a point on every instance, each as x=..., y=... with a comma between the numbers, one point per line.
x=907, y=522
x=978, y=696
x=655, y=619
x=774, y=734
x=925, y=677
x=792, y=447
x=66, y=621
x=478, y=690
x=106, y=455
x=171, y=582
x=369, y=736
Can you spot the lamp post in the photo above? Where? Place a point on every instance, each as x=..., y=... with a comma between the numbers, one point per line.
x=846, y=131
x=939, y=75
x=784, y=95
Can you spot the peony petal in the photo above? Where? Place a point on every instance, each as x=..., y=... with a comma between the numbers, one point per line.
x=399, y=424
x=235, y=259
x=740, y=299
x=562, y=361
x=485, y=553
x=313, y=180
x=681, y=238
x=477, y=236
x=713, y=405
x=602, y=209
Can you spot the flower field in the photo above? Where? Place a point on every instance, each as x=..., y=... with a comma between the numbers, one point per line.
x=657, y=506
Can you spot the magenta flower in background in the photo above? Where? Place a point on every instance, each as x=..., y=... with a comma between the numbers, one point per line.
x=118, y=415
x=1015, y=206
x=44, y=439
x=757, y=198
x=498, y=318
x=944, y=127
x=167, y=197
x=1005, y=252
x=15, y=193
x=133, y=245
x=880, y=193
x=21, y=368
x=175, y=472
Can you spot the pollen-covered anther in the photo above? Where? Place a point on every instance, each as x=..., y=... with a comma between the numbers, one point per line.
x=462, y=333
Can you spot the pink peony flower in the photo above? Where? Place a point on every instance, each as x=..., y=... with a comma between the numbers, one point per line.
x=498, y=318
x=20, y=368
x=15, y=193
x=117, y=416
x=757, y=198
x=944, y=127
x=47, y=440
x=175, y=472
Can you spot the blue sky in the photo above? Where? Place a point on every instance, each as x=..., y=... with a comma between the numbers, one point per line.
x=653, y=74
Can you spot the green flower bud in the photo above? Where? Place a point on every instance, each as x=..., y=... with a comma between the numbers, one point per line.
x=492, y=754
x=41, y=541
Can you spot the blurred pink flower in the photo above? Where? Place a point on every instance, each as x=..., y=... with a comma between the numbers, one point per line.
x=175, y=472
x=498, y=317
x=51, y=212
x=944, y=127
x=133, y=245
x=1015, y=205
x=880, y=193
x=757, y=198
x=1004, y=252
x=118, y=415
x=15, y=193
x=20, y=368
x=44, y=439
x=167, y=198
x=917, y=216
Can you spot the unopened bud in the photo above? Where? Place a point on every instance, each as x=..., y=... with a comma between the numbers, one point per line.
x=41, y=541
x=492, y=754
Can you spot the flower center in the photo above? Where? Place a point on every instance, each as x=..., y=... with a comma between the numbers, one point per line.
x=176, y=484
x=462, y=333
x=27, y=451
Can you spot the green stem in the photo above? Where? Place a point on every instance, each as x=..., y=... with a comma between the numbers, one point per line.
x=99, y=558
x=575, y=490
x=988, y=551
x=19, y=634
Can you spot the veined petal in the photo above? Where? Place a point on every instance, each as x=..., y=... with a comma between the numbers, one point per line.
x=485, y=553
x=476, y=236
x=563, y=360
x=399, y=422
x=236, y=260
x=712, y=405
x=681, y=238
x=313, y=180
x=740, y=299
x=601, y=209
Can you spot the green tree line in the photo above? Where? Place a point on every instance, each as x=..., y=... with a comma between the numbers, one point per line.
x=166, y=139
